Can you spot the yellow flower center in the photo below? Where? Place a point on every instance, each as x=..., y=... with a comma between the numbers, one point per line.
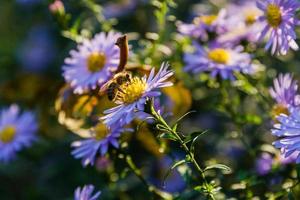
x=96, y=61
x=101, y=131
x=205, y=19
x=273, y=15
x=250, y=18
x=219, y=55
x=279, y=109
x=130, y=91
x=7, y=134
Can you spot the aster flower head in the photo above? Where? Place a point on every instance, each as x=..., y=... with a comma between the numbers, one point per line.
x=219, y=61
x=86, y=193
x=93, y=63
x=284, y=92
x=132, y=96
x=17, y=130
x=97, y=144
x=242, y=23
x=203, y=25
x=279, y=24
x=288, y=131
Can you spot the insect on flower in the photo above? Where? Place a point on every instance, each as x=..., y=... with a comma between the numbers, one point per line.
x=121, y=76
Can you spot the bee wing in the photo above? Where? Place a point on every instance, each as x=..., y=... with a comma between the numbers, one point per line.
x=104, y=87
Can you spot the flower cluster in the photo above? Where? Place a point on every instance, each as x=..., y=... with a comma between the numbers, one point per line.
x=224, y=43
x=218, y=39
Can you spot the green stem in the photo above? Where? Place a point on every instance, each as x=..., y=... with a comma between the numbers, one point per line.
x=160, y=120
x=150, y=187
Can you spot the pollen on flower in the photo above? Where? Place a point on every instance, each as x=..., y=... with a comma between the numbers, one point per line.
x=96, y=61
x=101, y=131
x=279, y=109
x=7, y=134
x=273, y=15
x=131, y=91
x=219, y=55
x=206, y=19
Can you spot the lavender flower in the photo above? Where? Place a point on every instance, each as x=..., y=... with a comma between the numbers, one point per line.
x=284, y=90
x=284, y=93
x=203, y=25
x=98, y=142
x=219, y=61
x=241, y=23
x=86, y=193
x=288, y=131
x=16, y=131
x=279, y=23
x=263, y=164
x=133, y=95
x=93, y=63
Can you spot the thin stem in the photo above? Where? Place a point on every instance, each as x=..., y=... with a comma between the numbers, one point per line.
x=183, y=144
x=150, y=187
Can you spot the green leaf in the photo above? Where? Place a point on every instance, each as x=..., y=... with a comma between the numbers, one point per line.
x=161, y=127
x=219, y=166
x=194, y=142
x=193, y=134
x=183, y=116
x=168, y=136
x=175, y=128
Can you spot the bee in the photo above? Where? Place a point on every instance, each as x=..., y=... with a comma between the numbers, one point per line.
x=112, y=86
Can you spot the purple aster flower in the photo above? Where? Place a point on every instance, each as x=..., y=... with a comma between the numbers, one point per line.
x=98, y=142
x=263, y=164
x=288, y=131
x=17, y=130
x=203, y=25
x=219, y=61
x=93, y=63
x=133, y=95
x=241, y=23
x=279, y=23
x=284, y=92
x=86, y=193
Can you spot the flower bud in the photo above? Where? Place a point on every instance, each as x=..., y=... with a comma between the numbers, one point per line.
x=57, y=7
